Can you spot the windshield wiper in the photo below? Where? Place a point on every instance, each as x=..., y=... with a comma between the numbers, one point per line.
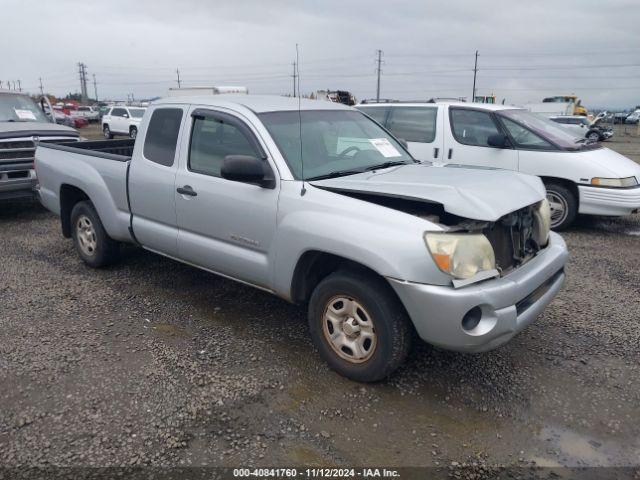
x=338, y=173
x=384, y=165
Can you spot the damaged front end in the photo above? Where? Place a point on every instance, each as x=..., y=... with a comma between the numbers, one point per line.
x=515, y=238
x=518, y=236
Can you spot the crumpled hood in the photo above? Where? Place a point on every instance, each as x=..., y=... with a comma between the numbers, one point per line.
x=28, y=129
x=475, y=193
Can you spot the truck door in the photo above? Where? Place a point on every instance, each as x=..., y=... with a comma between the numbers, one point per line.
x=420, y=127
x=466, y=139
x=151, y=181
x=224, y=226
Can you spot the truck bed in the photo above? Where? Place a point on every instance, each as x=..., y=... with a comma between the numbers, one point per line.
x=120, y=150
x=97, y=170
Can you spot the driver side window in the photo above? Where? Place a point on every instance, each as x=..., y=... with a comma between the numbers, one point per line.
x=212, y=139
x=472, y=127
x=524, y=137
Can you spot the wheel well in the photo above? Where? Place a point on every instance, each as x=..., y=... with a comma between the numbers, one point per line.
x=565, y=183
x=69, y=197
x=313, y=267
x=131, y=127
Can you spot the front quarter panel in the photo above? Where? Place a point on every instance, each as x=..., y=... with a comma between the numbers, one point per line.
x=385, y=240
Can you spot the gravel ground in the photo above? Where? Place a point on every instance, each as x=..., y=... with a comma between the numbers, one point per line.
x=151, y=362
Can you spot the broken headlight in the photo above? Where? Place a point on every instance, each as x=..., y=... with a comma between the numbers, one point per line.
x=461, y=255
x=542, y=223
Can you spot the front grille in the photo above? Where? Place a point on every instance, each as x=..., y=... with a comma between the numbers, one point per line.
x=17, y=152
x=512, y=239
x=21, y=153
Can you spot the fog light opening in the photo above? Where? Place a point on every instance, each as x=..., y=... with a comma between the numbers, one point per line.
x=472, y=318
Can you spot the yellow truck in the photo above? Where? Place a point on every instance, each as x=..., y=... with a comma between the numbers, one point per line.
x=575, y=102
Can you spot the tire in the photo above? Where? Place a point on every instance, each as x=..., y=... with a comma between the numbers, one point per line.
x=374, y=309
x=594, y=136
x=133, y=132
x=92, y=243
x=107, y=132
x=564, y=205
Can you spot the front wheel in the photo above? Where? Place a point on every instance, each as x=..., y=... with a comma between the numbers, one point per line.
x=133, y=132
x=564, y=205
x=92, y=242
x=359, y=326
x=593, y=136
x=106, y=131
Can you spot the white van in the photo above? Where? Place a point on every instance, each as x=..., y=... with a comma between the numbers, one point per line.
x=580, y=176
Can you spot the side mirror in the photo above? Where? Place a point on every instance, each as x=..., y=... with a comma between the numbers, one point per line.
x=246, y=169
x=498, y=140
x=125, y=115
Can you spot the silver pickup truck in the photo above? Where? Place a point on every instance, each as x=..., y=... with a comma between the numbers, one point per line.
x=318, y=204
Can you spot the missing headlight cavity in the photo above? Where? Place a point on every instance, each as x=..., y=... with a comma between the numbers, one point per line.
x=512, y=238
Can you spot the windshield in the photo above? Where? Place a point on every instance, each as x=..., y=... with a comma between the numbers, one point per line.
x=334, y=142
x=548, y=130
x=20, y=108
x=136, y=112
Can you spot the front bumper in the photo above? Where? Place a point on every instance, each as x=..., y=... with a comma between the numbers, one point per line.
x=508, y=304
x=608, y=201
x=13, y=187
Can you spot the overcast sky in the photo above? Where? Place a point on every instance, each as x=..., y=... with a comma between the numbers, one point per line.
x=528, y=49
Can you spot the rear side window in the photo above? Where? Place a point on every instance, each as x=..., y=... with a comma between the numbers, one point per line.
x=212, y=139
x=413, y=124
x=472, y=127
x=379, y=114
x=162, y=135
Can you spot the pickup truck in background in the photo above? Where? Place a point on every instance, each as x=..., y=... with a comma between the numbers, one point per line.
x=316, y=203
x=22, y=124
x=581, y=177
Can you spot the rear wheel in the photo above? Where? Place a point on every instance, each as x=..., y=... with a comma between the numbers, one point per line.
x=564, y=205
x=133, y=132
x=92, y=243
x=106, y=131
x=359, y=326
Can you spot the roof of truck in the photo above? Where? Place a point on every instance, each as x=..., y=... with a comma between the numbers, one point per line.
x=255, y=103
x=455, y=103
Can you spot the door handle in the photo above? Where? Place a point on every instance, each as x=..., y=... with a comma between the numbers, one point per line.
x=450, y=154
x=436, y=151
x=187, y=190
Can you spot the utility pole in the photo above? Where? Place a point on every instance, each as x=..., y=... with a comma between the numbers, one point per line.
x=19, y=86
x=178, y=73
x=379, y=71
x=82, y=70
x=295, y=76
x=41, y=88
x=95, y=87
x=475, y=73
